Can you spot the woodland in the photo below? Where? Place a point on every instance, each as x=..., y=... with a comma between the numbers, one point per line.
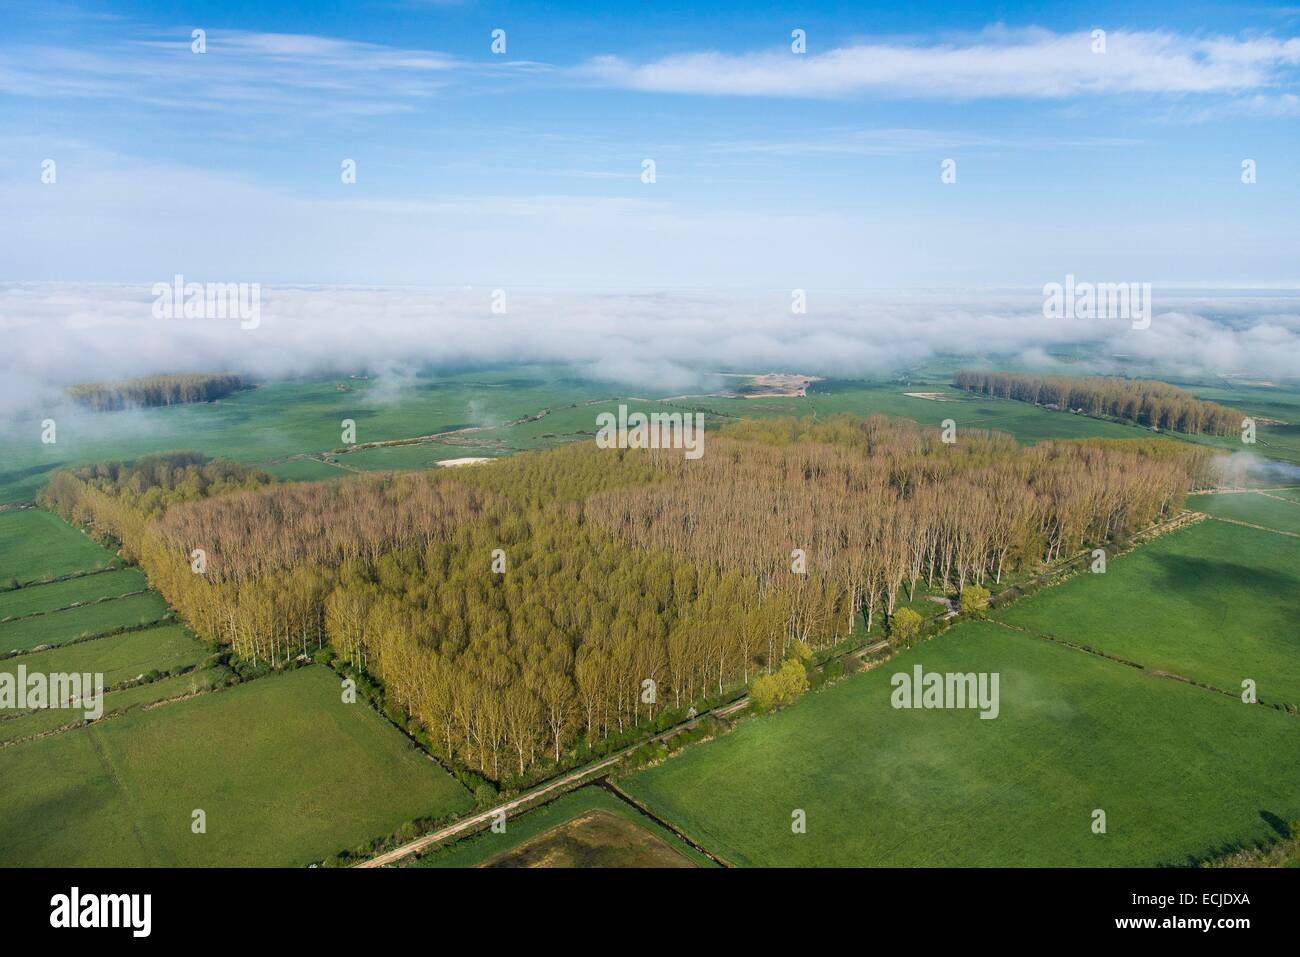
x=521, y=609
x=1156, y=405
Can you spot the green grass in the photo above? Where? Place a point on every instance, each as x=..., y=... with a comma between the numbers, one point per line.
x=36, y=545
x=34, y=600
x=420, y=456
x=267, y=425
x=60, y=627
x=280, y=419
x=119, y=657
x=115, y=702
x=1180, y=772
x=1262, y=402
x=1254, y=507
x=286, y=773
x=1028, y=423
x=37, y=599
x=1280, y=403
x=477, y=848
x=1215, y=602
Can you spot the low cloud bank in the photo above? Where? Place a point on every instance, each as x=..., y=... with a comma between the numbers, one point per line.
x=58, y=334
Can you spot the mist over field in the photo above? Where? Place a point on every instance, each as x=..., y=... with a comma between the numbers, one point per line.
x=666, y=342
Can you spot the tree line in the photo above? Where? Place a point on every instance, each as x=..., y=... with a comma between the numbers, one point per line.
x=561, y=598
x=156, y=390
x=1157, y=405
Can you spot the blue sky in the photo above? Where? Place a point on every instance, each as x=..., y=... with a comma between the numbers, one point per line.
x=774, y=170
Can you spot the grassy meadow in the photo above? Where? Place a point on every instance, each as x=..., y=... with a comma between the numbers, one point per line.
x=55, y=596
x=120, y=657
x=1216, y=603
x=82, y=621
x=286, y=773
x=1179, y=771
x=36, y=546
x=20, y=727
x=1276, y=409
x=1270, y=509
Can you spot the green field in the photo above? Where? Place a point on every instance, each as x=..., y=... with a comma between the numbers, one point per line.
x=482, y=847
x=1281, y=404
x=60, y=627
x=286, y=773
x=1271, y=510
x=119, y=657
x=37, y=599
x=41, y=722
x=1216, y=603
x=271, y=424
x=1028, y=423
x=36, y=545
x=280, y=419
x=1179, y=771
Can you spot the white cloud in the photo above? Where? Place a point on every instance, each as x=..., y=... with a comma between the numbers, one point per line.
x=1000, y=63
x=245, y=71
x=654, y=342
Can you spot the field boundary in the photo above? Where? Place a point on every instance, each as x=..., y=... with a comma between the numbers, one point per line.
x=632, y=802
x=75, y=604
x=1262, y=528
x=122, y=630
x=1145, y=669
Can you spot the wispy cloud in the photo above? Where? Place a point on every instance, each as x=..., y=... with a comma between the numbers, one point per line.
x=898, y=141
x=246, y=71
x=1032, y=63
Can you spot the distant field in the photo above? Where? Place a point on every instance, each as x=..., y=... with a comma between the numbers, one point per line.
x=35, y=599
x=1281, y=404
x=39, y=722
x=118, y=657
x=610, y=847
x=1253, y=507
x=422, y=456
x=1179, y=771
x=36, y=545
x=1274, y=442
x=286, y=773
x=1263, y=402
x=1215, y=602
x=1028, y=423
x=59, y=627
x=267, y=425
x=280, y=419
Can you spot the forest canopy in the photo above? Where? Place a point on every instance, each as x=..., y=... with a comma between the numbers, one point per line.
x=156, y=390
x=516, y=611
x=1157, y=405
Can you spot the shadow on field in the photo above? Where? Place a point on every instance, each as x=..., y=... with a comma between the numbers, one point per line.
x=1276, y=823
x=1179, y=572
x=16, y=474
